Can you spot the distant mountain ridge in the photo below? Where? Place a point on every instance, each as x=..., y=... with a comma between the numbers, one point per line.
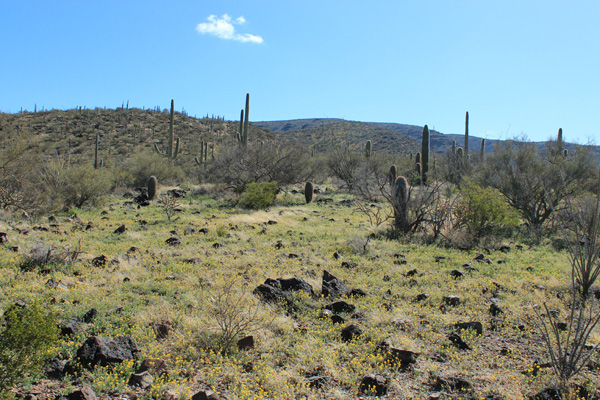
x=385, y=136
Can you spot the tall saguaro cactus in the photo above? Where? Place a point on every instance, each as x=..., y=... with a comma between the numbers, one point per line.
x=400, y=203
x=368, y=149
x=466, y=148
x=482, y=150
x=171, y=152
x=97, y=163
x=244, y=133
x=425, y=154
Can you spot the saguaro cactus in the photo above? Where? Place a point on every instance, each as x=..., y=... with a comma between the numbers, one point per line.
x=393, y=175
x=482, y=150
x=368, y=149
x=171, y=152
x=466, y=148
x=97, y=163
x=308, y=192
x=400, y=203
x=425, y=154
x=202, y=161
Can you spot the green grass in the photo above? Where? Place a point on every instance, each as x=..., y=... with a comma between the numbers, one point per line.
x=155, y=283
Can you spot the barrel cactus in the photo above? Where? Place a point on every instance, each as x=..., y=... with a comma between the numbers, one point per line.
x=308, y=192
x=151, y=186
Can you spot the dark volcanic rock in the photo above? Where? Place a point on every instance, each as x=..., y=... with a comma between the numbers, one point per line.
x=332, y=286
x=104, y=351
x=475, y=325
x=374, y=385
x=340, y=307
x=351, y=332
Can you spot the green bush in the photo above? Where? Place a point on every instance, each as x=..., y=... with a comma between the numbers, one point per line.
x=66, y=185
x=143, y=165
x=259, y=196
x=26, y=336
x=484, y=211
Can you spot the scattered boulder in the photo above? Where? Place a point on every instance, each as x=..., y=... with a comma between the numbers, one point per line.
x=412, y=272
x=349, y=264
x=340, y=307
x=246, y=343
x=70, y=327
x=295, y=284
x=450, y=383
x=176, y=193
x=56, y=368
x=374, y=385
x=142, y=380
x=154, y=366
x=337, y=319
x=100, y=261
x=357, y=293
x=208, y=395
x=458, y=342
x=90, y=315
x=120, y=229
x=97, y=350
x=85, y=393
x=351, y=332
x=475, y=325
x=161, y=329
x=403, y=358
x=3, y=237
x=456, y=273
x=332, y=286
x=495, y=310
x=421, y=297
x=451, y=300
x=173, y=241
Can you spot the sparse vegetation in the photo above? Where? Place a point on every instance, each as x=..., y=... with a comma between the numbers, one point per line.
x=423, y=284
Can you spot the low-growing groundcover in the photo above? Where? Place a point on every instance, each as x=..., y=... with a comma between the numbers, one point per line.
x=187, y=302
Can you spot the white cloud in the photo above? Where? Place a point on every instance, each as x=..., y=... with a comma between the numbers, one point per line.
x=223, y=28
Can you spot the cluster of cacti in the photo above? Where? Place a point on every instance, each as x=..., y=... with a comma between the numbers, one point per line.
x=170, y=153
x=308, y=192
x=151, y=187
x=425, y=154
x=242, y=136
x=202, y=160
x=97, y=163
x=368, y=149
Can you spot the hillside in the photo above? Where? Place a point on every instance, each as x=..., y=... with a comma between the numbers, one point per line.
x=122, y=132
x=388, y=137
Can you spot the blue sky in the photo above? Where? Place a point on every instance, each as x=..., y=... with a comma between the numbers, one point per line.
x=520, y=67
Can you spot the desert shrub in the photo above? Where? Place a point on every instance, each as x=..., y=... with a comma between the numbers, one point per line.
x=231, y=314
x=43, y=255
x=260, y=162
x=19, y=174
x=27, y=333
x=532, y=181
x=66, y=185
x=485, y=211
x=143, y=165
x=259, y=196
